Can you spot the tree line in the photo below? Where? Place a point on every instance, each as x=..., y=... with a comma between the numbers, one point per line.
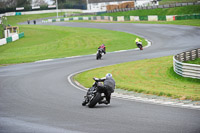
x=10, y=5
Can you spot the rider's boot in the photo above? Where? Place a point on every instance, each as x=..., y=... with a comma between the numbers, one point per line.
x=103, y=101
x=84, y=103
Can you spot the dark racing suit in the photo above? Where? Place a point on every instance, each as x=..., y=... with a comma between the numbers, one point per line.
x=107, y=88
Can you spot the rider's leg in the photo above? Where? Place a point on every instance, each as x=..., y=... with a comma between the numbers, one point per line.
x=108, y=96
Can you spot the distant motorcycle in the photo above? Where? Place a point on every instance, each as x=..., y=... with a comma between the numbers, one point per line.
x=99, y=53
x=139, y=44
x=94, y=95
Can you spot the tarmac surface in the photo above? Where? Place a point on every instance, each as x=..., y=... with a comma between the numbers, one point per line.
x=38, y=97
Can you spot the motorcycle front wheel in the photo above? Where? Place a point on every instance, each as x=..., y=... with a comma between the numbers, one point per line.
x=95, y=100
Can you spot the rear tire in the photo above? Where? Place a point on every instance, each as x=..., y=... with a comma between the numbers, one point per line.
x=95, y=100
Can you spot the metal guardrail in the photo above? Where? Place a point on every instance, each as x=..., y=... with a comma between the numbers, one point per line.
x=186, y=69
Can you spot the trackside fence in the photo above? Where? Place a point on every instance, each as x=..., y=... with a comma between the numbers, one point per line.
x=130, y=18
x=186, y=69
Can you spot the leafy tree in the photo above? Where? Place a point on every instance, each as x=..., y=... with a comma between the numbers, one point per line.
x=15, y=3
x=39, y=2
x=78, y=4
x=8, y=3
x=23, y=3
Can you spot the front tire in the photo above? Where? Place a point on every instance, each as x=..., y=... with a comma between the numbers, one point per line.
x=95, y=100
x=97, y=57
x=140, y=46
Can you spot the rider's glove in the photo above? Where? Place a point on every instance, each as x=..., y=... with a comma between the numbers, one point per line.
x=95, y=78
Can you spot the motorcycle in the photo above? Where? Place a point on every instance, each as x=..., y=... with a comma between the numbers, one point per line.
x=99, y=53
x=94, y=95
x=139, y=44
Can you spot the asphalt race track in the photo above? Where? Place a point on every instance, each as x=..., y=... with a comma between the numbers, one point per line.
x=37, y=97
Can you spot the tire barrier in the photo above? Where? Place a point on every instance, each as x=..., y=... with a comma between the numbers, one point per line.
x=107, y=18
x=11, y=39
x=186, y=69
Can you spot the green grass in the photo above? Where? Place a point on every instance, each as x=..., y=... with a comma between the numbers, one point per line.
x=160, y=12
x=196, y=61
x=194, y=22
x=44, y=42
x=164, y=2
x=1, y=31
x=155, y=77
x=13, y=20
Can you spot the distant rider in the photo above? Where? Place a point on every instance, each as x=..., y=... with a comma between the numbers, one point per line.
x=103, y=47
x=107, y=87
x=138, y=42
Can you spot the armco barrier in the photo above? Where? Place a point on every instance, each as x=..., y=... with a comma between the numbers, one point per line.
x=18, y=13
x=143, y=18
x=170, y=18
x=126, y=18
x=3, y=41
x=75, y=18
x=11, y=39
x=134, y=18
x=80, y=18
x=120, y=18
x=129, y=18
x=186, y=69
x=85, y=18
x=185, y=17
x=114, y=18
x=153, y=18
x=15, y=37
x=21, y=35
x=161, y=18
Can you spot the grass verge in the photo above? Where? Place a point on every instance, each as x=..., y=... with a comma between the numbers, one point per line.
x=196, y=61
x=46, y=42
x=1, y=31
x=160, y=12
x=13, y=20
x=155, y=77
x=164, y=2
x=194, y=22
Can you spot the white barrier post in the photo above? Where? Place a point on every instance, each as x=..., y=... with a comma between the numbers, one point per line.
x=3, y=41
x=15, y=37
x=153, y=18
x=120, y=18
